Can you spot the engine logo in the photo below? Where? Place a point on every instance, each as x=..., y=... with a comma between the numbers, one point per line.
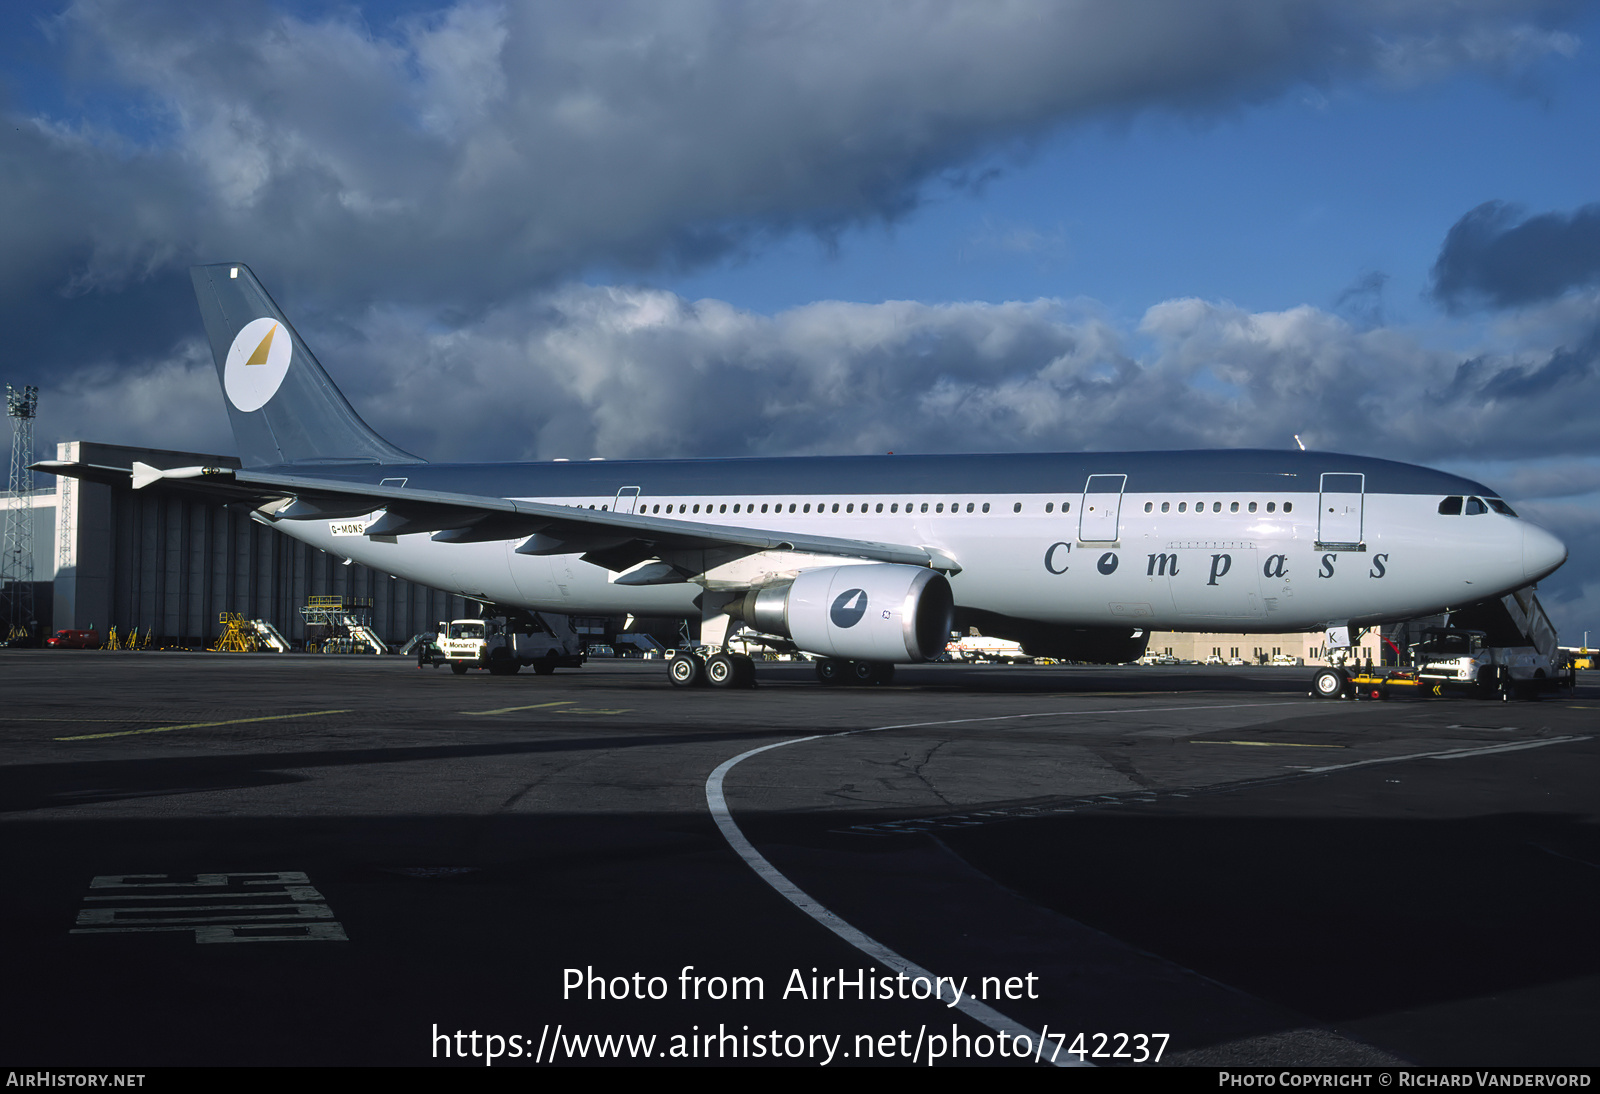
x=848, y=608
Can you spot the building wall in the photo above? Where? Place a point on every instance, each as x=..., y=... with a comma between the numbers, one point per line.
x=1312, y=648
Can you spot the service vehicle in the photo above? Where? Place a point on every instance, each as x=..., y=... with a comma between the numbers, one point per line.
x=1462, y=660
x=74, y=640
x=1451, y=661
x=504, y=644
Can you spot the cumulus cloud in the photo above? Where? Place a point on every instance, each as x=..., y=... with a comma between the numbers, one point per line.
x=1496, y=257
x=636, y=372
x=477, y=151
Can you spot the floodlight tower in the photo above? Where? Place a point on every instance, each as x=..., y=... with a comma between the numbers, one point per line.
x=16, y=566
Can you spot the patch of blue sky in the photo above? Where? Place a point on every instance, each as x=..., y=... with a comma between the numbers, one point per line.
x=1269, y=207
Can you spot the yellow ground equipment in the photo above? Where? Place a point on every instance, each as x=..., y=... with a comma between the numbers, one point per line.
x=237, y=636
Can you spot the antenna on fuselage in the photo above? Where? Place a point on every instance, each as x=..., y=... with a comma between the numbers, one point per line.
x=1299, y=442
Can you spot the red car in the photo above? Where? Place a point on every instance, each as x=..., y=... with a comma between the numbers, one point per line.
x=74, y=640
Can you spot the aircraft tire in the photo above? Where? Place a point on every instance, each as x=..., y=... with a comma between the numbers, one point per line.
x=722, y=671
x=1327, y=684
x=686, y=671
x=831, y=671
x=1489, y=685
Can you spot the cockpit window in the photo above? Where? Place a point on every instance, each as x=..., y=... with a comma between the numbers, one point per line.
x=1475, y=506
x=1450, y=507
x=1501, y=507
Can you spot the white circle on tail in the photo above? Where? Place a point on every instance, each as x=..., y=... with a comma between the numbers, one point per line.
x=257, y=363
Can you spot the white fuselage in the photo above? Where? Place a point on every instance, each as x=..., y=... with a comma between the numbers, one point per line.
x=1265, y=562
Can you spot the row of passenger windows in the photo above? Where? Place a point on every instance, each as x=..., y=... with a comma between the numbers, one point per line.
x=1216, y=507
x=848, y=507
x=671, y=509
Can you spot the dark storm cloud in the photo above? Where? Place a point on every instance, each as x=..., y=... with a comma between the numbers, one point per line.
x=1493, y=257
x=459, y=158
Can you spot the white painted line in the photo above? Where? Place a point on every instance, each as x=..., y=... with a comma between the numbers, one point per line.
x=717, y=801
x=293, y=892
x=95, y=917
x=1450, y=754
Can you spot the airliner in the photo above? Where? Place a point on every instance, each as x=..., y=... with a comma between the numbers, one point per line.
x=865, y=562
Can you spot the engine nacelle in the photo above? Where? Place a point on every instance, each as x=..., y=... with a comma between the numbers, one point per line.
x=873, y=612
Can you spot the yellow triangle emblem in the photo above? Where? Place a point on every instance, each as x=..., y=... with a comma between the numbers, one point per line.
x=259, y=357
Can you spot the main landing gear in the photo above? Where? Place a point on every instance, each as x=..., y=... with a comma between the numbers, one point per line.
x=719, y=670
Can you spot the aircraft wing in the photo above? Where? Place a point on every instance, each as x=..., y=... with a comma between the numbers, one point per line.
x=616, y=541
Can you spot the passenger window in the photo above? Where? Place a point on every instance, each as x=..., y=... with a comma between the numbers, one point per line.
x=985, y=507
x=851, y=508
x=1149, y=506
x=1166, y=507
x=1271, y=505
x=1016, y=507
x=808, y=507
x=1252, y=507
x=1234, y=507
x=724, y=509
x=1216, y=507
x=697, y=508
x=1476, y=506
x=763, y=507
x=924, y=507
x=880, y=507
x=736, y=508
x=895, y=508
x=1049, y=507
x=835, y=507
x=1183, y=507
x=1288, y=507
x=1066, y=507
x=939, y=508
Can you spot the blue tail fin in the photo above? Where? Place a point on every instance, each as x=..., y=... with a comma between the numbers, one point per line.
x=284, y=408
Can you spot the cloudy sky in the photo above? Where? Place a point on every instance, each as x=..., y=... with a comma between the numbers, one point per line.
x=528, y=230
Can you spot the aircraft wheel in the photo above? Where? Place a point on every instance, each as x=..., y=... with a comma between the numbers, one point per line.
x=1327, y=684
x=458, y=667
x=722, y=671
x=685, y=670
x=1489, y=685
x=831, y=671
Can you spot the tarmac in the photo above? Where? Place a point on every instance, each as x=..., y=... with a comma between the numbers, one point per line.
x=300, y=860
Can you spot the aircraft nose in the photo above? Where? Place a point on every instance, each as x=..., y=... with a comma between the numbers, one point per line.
x=1542, y=553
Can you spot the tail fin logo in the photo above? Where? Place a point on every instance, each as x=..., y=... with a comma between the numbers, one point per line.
x=258, y=360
